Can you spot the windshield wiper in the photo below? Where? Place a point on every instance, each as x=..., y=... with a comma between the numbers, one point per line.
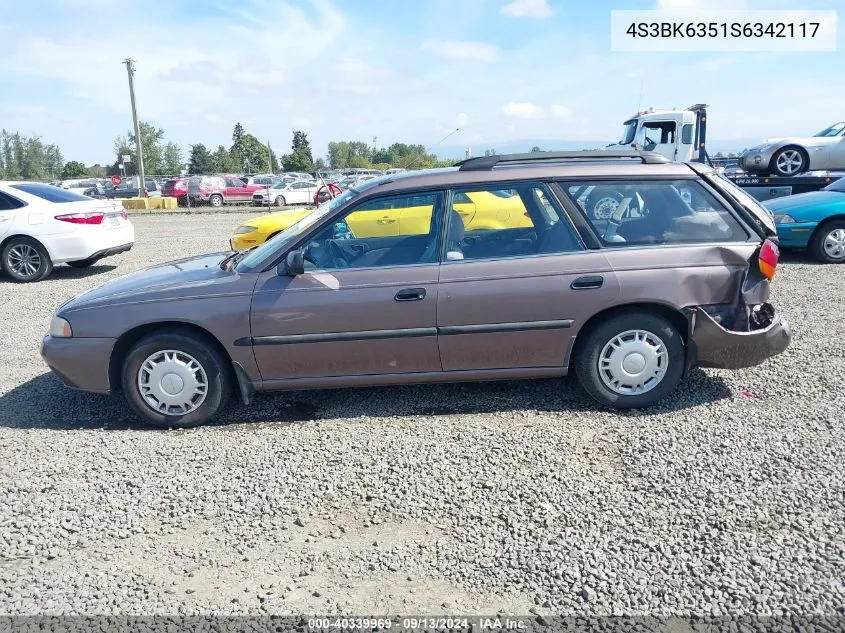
x=231, y=260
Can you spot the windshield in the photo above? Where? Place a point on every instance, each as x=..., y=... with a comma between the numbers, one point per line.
x=260, y=253
x=836, y=185
x=630, y=132
x=834, y=130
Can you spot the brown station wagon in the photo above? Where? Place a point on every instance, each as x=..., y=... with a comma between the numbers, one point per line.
x=385, y=285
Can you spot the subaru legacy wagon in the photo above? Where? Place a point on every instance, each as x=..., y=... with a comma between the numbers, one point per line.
x=387, y=285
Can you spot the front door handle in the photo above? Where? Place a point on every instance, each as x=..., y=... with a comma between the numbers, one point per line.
x=588, y=282
x=387, y=221
x=410, y=294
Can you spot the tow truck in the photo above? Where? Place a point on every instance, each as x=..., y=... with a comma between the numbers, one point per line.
x=680, y=136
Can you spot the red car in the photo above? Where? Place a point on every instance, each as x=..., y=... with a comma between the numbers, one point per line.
x=175, y=188
x=220, y=190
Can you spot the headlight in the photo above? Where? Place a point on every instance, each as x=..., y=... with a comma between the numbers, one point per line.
x=245, y=229
x=59, y=328
x=784, y=219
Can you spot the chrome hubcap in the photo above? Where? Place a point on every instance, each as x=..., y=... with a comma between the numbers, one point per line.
x=790, y=161
x=24, y=260
x=834, y=244
x=633, y=362
x=172, y=382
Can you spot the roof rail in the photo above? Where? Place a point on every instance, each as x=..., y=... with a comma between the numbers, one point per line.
x=486, y=163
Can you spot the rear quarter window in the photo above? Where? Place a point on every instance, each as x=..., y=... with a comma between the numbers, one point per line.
x=49, y=193
x=631, y=213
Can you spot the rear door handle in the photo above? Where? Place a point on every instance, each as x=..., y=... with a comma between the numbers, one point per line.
x=588, y=282
x=410, y=294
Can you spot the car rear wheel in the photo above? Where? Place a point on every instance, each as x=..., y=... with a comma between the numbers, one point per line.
x=630, y=360
x=175, y=379
x=83, y=263
x=828, y=243
x=789, y=161
x=280, y=201
x=216, y=200
x=25, y=259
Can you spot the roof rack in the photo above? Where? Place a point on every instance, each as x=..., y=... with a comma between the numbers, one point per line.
x=486, y=163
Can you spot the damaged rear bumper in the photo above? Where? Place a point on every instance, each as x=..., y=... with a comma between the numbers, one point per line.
x=715, y=346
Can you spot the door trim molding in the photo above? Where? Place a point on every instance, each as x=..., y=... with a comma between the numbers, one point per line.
x=365, y=335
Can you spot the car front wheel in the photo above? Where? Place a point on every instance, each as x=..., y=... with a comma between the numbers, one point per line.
x=630, y=360
x=789, y=161
x=25, y=259
x=280, y=201
x=175, y=379
x=216, y=200
x=828, y=243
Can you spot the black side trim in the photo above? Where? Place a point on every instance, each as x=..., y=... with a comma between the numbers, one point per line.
x=331, y=337
x=369, y=335
x=523, y=326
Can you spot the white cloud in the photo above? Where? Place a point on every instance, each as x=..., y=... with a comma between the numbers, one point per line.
x=522, y=110
x=527, y=9
x=525, y=110
x=455, y=49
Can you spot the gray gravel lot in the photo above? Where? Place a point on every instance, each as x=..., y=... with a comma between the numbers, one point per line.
x=433, y=499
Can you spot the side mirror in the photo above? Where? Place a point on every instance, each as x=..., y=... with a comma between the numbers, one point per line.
x=295, y=263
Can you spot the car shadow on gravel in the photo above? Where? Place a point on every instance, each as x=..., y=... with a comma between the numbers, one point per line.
x=44, y=403
x=67, y=272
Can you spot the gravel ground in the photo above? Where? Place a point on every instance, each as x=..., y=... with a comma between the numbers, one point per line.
x=511, y=497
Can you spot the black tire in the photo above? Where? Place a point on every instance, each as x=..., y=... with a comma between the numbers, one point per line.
x=280, y=201
x=215, y=200
x=599, y=205
x=83, y=263
x=216, y=367
x=817, y=242
x=586, y=362
x=20, y=250
x=799, y=152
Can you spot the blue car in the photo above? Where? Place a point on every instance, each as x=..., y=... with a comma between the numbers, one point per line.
x=815, y=221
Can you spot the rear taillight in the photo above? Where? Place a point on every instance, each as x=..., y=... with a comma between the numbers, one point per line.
x=768, y=259
x=82, y=218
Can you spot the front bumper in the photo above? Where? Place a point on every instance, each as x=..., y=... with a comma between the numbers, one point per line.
x=721, y=348
x=81, y=363
x=245, y=241
x=755, y=161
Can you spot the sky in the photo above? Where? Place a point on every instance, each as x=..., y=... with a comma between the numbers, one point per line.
x=409, y=71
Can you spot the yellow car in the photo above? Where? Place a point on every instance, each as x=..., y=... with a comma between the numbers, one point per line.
x=479, y=210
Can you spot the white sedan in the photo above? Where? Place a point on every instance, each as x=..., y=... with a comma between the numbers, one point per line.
x=282, y=194
x=41, y=226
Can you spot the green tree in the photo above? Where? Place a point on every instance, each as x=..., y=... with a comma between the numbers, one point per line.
x=536, y=148
x=338, y=155
x=384, y=156
x=200, y=161
x=172, y=160
x=297, y=161
x=53, y=160
x=320, y=164
x=300, y=144
x=32, y=158
x=121, y=149
x=222, y=160
x=151, y=138
x=73, y=169
x=10, y=165
x=96, y=171
x=360, y=162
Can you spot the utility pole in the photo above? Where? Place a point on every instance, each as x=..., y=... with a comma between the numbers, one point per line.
x=269, y=159
x=142, y=183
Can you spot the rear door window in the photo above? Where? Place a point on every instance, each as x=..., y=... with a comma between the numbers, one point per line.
x=655, y=213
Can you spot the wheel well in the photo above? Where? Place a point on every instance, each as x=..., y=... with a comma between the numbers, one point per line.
x=792, y=146
x=825, y=222
x=672, y=315
x=271, y=236
x=129, y=338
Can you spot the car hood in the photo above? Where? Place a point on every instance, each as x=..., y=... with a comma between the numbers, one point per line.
x=812, y=200
x=277, y=221
x=191, y=276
